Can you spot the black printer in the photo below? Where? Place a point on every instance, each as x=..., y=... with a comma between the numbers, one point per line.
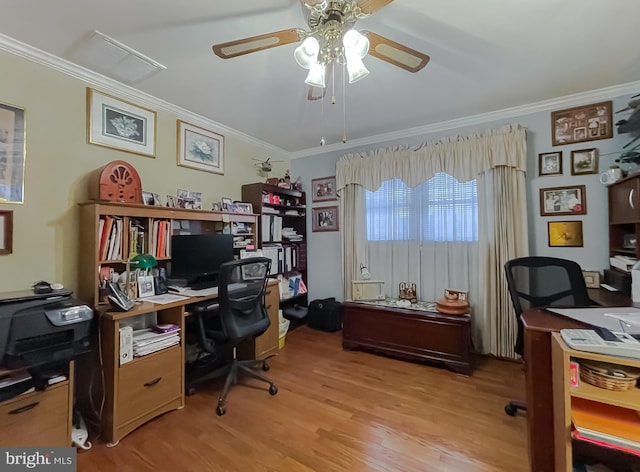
x=40, y=329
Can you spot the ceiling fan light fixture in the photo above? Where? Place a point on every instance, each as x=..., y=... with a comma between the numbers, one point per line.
x=316, y=75
x=355, y=43
x=306, y=54
x=356, y=68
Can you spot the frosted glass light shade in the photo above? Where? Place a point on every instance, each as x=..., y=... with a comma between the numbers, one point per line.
x=316, y=75
x=307, y=53
x=355, y=44
x=356, y=69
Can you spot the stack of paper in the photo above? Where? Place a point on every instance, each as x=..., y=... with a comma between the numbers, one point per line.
x=614, y=425
x=146, y=341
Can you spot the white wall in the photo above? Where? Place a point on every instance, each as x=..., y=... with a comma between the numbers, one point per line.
x=324, y=255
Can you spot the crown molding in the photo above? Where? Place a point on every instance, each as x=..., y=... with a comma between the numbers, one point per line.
x=111, y=86
x=567, y=101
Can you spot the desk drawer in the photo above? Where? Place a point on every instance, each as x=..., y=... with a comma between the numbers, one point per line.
x=37, y=419
x=148, y=382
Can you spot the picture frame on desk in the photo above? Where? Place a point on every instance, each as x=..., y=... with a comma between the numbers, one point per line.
x=591, y=278
x=146, y=286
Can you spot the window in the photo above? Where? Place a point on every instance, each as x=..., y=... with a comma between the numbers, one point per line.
x=440, y=209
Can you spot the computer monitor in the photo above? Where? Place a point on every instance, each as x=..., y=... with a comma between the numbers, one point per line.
x=196, y=258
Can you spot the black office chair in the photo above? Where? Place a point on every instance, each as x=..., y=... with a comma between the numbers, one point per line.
x=538, y=281
x=241, y=315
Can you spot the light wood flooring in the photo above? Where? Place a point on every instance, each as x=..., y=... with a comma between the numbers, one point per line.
x=336, y=411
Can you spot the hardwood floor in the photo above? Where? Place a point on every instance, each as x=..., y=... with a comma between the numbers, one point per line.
x=336, y=411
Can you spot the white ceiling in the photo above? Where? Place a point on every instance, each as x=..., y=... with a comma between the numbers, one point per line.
x=486, y=55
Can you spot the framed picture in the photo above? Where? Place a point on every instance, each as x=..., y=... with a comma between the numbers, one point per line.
x=323, y=189
x=148, y=198
x=156, y=200
x=584, y=161
x=171, y=201
x=118, y=124
x=216, y=206
x=591, y=278
x=6, y=232
x=200, y=149
x=570, y=200
x=145, y=286
x=242, y=207
x=565, y=233
x=325, y=218
x=13, y=138
x=584, y=123
x=550, y=163
x=629, y=241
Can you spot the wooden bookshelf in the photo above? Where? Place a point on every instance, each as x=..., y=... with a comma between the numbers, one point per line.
x=179, y=220
x=563, y=393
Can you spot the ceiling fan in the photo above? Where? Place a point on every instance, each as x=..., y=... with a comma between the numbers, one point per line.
x=329, y=22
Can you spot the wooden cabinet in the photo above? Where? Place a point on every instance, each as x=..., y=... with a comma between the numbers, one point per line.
x=566, y=448
x=267, y=344
x=624, y=217
x=279, y=209
x=39, y=419
x=147, y=386
x=140, y=230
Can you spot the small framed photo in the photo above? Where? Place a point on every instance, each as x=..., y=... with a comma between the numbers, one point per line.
x=591, y=278
x=145, y=286
x=227, y=204
x=148, y=198
x=242, y=207
x=550, y=163
x=171, y=201
x=565, y=233
x=584, y=161
x=324, y=189
x=6, y=231
x=583, y=123
x=629, y=241
x=325, y=219
x=200, y=149
x=216, y=206
x=570, y=200
x=156, y=200
x=118, y=124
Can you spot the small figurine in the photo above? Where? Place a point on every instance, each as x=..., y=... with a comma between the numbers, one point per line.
x=364, y=272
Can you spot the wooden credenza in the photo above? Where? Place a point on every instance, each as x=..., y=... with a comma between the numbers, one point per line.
x=419, y=335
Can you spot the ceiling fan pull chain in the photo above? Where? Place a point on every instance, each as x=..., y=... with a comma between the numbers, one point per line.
x=344, y=104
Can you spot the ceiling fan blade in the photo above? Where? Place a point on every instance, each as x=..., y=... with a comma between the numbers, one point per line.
x=258, y=43
x=371, y=6
x=311, y=3
x=395, y=53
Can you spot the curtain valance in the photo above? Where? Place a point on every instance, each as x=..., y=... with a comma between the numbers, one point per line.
x=462, y=157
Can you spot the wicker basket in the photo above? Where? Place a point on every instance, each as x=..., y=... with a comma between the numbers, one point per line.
x=609, y=376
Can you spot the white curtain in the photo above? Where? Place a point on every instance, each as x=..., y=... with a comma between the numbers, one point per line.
x=475, y=266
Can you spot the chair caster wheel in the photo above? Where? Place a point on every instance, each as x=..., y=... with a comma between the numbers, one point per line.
x=221, y=410
x=273, y=389
x=265, y=366
x=510, y=410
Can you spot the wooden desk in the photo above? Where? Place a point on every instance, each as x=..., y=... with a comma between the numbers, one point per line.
x=148, y=386
x=538, y=326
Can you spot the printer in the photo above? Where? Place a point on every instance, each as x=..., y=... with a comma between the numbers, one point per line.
x=40, y=329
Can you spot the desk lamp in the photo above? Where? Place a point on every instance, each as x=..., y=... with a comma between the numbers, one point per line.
x=141, y=261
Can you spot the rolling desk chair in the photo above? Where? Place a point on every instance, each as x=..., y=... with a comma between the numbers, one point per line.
x=538, y=281
x=241, y=315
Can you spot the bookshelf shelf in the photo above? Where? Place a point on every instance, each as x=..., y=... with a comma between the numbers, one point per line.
x=572, y=403
x=94, y=239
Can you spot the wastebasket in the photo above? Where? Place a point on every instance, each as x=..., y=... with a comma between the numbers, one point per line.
x=284, y=327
